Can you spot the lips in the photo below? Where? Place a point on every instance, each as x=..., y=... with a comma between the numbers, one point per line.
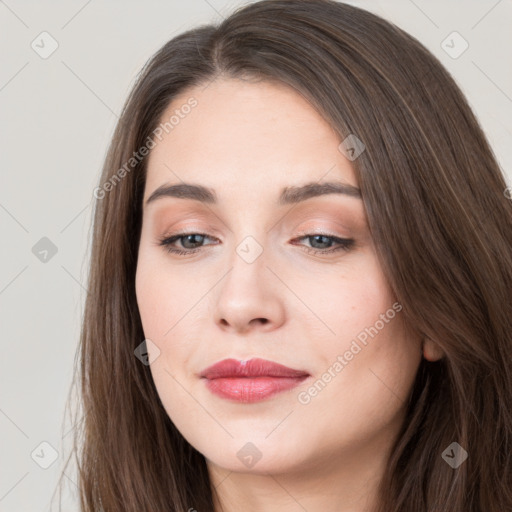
x=250, y=381
x=251, y=368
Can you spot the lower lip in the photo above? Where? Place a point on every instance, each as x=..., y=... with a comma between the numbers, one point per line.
x=255, y=389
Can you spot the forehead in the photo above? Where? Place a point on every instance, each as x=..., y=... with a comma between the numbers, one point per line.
x=254, y=136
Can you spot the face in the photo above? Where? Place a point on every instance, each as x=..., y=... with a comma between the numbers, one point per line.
x=267, y=272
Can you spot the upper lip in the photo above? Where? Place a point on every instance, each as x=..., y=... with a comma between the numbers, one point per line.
x=252, y=368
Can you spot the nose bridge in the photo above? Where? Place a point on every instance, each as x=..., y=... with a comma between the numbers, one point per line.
x=248, y=264
x=252, y=243
x=250, y=239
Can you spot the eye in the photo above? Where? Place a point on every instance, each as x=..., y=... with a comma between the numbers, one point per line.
x=321, y=243
x=189, y=242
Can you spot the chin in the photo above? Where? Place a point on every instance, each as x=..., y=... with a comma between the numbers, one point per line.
x=254, y=457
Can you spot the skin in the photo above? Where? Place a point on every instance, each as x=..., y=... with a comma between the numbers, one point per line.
x=248, y=140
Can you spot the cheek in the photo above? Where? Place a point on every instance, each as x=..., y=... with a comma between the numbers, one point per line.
x=155, y=296
x=372, y=356
x=165, y=315
x=346, y=300
x=148, y=298
x=166, y=298
x=160, y=309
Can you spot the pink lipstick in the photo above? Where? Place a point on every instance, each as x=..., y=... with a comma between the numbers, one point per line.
x=250, y=381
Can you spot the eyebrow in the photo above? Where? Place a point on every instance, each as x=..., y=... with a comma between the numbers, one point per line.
x=289, y=195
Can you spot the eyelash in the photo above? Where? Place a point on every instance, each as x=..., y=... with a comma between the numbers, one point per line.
x=345, y=244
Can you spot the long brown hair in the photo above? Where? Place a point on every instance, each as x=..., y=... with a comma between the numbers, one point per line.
x=442, y=226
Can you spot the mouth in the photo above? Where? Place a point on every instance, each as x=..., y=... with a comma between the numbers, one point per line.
x=250, y=381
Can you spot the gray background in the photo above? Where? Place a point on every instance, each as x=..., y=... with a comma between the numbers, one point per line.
x=57, y=116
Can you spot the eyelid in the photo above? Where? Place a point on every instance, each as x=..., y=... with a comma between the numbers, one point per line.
x=320, y=231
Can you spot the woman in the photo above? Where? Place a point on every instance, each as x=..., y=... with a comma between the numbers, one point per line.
x=301, y=275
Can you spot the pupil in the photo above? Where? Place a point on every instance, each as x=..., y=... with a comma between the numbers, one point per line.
x=316, y=237
x=188, y=237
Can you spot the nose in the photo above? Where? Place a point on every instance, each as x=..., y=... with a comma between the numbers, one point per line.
x=250, y=297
